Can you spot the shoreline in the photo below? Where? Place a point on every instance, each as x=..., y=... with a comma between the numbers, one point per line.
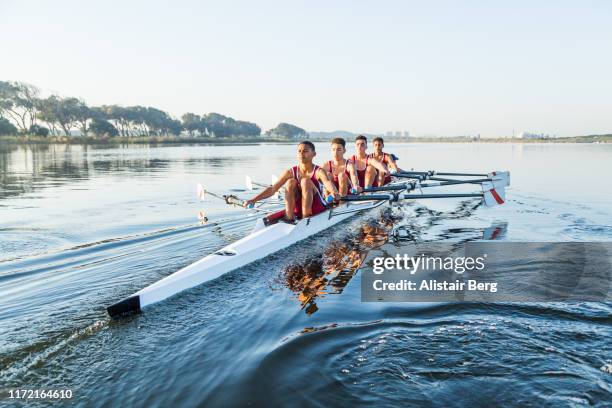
x=79, y=140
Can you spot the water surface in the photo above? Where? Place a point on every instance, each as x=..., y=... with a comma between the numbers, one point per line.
x=83, y=227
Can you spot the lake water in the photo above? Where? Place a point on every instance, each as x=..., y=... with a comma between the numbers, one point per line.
x=83, y=227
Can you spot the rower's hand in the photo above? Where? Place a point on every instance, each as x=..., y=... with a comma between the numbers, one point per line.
x=248, y=203
x=336, y=196
x=357, y=189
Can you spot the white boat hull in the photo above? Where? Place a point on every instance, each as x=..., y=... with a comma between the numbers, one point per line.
x=261, y=242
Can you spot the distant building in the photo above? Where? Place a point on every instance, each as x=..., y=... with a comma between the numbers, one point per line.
x=389, y=134
x=406, y=134
x=527, y=135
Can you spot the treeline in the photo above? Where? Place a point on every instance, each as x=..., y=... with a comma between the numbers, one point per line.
x=24, y=112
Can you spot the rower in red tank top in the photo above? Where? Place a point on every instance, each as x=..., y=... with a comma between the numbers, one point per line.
x=366, y=167
x=303, y=196
x=318, y=203
x=341, y=171
x=385, y=159
x=361, y=173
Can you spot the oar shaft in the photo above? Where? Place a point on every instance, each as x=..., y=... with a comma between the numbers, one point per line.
x=419, y=196
x=448, y=182
x=370, y=197
x=418, y=176
x=437, y=173
x=395, y=187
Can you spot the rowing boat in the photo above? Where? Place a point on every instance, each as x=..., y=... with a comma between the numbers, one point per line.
x=268, y=237
x=263, y=240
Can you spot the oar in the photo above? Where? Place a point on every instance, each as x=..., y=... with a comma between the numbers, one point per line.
x=250, y=184
x=390, y=187
x=500, y=178
x=490, y=195
x=248, y=181
x=228, y=199
x=431, y=173
x=436, y=182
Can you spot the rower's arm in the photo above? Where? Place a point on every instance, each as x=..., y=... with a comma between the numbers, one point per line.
x=353, y=175
x=393, y=164
x=378, y=165
x=270, y=190
x=329, y=186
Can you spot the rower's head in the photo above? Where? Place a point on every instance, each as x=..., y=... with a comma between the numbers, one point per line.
x=361, y=144
x=338, y=147
x=306, y=151
x=379, y=144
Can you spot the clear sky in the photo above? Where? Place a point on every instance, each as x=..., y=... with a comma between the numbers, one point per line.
x=430, y=67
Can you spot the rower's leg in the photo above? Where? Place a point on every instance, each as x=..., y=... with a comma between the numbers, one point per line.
x=307, y=194
x=343, y=183
x=292, y=191
x=370, y=176
x=381, y=179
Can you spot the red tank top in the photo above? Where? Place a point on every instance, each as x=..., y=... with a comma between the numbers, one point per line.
x=313, y=176
x=360, y=173
x=331, y=171
x=318, y=203
x=385, y=161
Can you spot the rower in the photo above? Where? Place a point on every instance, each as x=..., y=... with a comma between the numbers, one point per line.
x=366, y=167
x=385, y=159
x=340, y=170
x=303, y=195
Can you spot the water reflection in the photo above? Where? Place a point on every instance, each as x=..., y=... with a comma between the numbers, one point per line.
x=330, y=272
x=26, y=169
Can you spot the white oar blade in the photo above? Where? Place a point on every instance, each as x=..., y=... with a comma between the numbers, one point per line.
x=248, y=182
x=200, y=191
x=493, y=196
x=499, y=182
x=202, y=217
x=501, y=177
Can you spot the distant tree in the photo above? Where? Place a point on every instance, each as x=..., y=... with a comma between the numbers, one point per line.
x=119, y=116
x=82, y=114
x=174, y=127
x=18, y=102
x=103, y=128
x=287, y=131
x=38, y=130
x=7, y=128
x=218, y=125
x=47, y=112
x=67, y=113
x=247, y=128
x=191, y=123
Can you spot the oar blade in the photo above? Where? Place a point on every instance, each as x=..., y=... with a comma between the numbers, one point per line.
x=202, y=217
x=500, y=178
x=492, y=195
x=200, y=191
x=248, y=181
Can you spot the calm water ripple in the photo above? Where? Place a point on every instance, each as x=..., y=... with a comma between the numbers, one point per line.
x=82, y=227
